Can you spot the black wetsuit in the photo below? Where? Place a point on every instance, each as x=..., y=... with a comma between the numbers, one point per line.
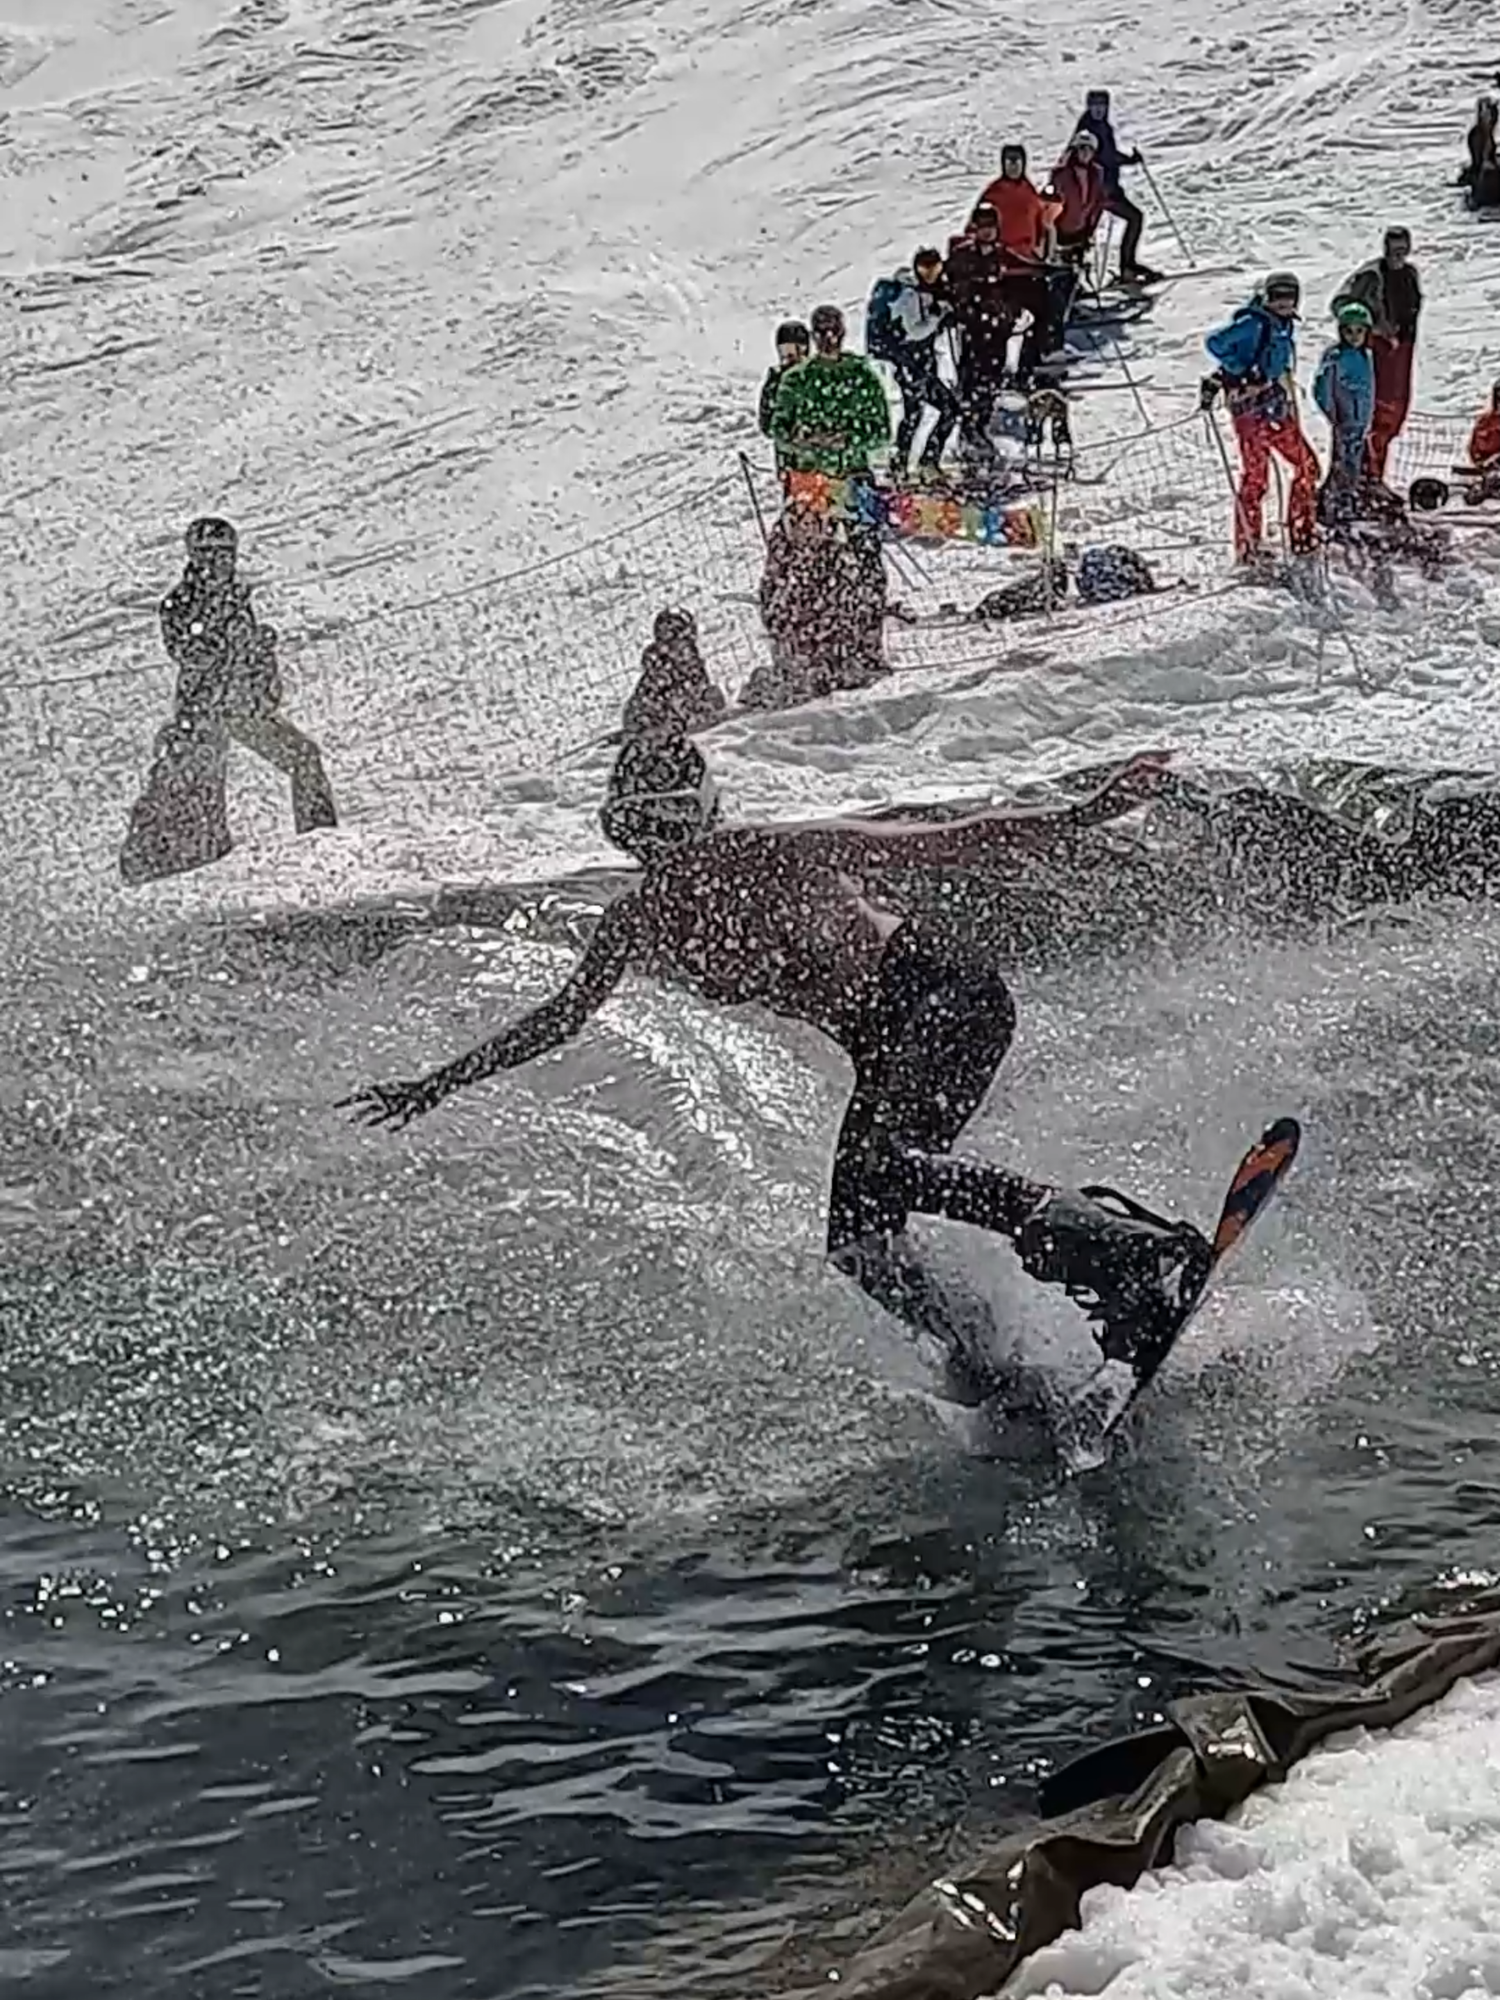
x=927, y=1051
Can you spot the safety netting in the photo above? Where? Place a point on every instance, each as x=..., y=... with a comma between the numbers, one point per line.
x=528, y=664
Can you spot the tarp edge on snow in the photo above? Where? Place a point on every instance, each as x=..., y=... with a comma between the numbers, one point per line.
x=1113, y=1812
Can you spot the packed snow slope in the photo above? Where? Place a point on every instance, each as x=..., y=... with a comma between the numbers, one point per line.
x=1373, y=1873
x=417, y=295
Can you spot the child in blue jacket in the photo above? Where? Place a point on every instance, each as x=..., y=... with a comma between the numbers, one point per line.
x=1344, y=391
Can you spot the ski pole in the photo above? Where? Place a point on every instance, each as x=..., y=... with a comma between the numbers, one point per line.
x=760, y=519
x=1168, y=217
x=1123, y=365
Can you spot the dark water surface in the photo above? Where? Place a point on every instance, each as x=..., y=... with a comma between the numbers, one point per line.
x=500, y=1560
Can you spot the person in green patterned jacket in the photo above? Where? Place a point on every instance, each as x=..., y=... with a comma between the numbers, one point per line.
x=831, y=410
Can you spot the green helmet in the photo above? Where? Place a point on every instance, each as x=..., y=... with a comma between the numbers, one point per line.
x=1354, y=314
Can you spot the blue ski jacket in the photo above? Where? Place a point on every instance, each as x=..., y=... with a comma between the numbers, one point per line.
x=1344, y=390
x=1256, y=346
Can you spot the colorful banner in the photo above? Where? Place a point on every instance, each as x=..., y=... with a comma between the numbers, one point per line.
x=914, y=515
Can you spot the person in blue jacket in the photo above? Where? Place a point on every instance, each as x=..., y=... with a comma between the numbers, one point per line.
x=1096, y=119
x=1344, y=390
x=1257, y=357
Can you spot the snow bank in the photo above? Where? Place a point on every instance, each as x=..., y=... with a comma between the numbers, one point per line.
x=1373, y=1873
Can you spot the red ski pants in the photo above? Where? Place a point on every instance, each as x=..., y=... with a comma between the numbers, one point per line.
x=1258, y=438
x=1393, y=359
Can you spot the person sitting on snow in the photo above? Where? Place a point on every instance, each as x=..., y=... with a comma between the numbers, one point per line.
x=674, y=690
x=1096, y=120
x=817, y=606
x=1344, y=390
x=1482, y=175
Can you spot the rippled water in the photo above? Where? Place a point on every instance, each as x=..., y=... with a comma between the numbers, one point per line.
x=490, y=1559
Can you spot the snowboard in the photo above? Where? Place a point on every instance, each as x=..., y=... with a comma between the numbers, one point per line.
x=1110, y=1393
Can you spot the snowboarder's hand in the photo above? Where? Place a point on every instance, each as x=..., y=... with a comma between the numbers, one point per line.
x=1136, y=159
x=1208, y=391
x=392, y=1103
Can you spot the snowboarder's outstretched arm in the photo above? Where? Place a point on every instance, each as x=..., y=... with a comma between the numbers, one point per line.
x=969, y=842
x=546, y=1027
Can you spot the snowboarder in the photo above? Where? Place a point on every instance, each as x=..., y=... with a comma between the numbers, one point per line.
x=1096, y=120
x=1028, y=246
x=804, y=921
x=1344, y=390
x=660, y=792
x=907, y=314
x=1257, y=357
x=228, y=687
x=831, y=413
x=793, y=344
x=1391, y=289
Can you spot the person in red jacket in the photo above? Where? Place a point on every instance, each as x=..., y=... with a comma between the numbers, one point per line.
x=1484, y=439
x=1028, y=243
x=1077, y=189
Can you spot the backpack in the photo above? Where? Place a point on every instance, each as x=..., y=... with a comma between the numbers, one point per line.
x=883, y=341
x=1111, y=572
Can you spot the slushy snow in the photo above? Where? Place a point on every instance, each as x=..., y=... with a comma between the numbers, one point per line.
x=1373, y=1873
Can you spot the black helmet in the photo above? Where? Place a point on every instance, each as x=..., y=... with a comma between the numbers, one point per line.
x=792, y=333
x=209, y=531
x=661, y=797
x=1427, y=496
x=673, y=627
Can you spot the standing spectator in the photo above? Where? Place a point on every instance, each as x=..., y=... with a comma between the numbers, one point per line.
x=1096, y=119
x=1257, y=357
x=228, y=687
x=1027, y=241
x=1344, y=390
x=907, y=314
x=978, y=276
x=1391, y=292
x=831, y=413
x=674, y=691
x=1077, y=187
x=793, y=345
x=1482, y=175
